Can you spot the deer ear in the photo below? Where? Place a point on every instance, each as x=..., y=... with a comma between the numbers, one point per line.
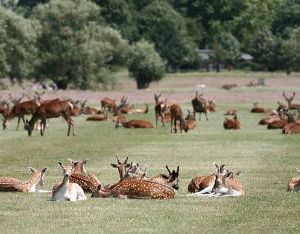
x=229, y=175
x=32, y=169
x=60, y=164
x=114, y=165
x=44, y=170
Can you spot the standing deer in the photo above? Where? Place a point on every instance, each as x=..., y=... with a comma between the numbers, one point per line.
x=51, y=109
x=291, y=106
x=294, y=183
x=8, y=184
x=67, y=191
x=199, y=105
x=176, y=115
x=160, y=109
x=232, y=123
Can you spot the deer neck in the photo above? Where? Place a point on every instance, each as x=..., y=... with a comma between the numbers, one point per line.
x=33, y=182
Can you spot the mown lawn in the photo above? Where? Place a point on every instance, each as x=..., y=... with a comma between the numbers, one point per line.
x=266, y=158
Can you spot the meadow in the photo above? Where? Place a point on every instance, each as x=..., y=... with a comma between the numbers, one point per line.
x=266, y=158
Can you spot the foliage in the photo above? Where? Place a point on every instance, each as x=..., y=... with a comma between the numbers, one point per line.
x=145, y=64
x=74, y=46
x=18, y=49
x=292, y=50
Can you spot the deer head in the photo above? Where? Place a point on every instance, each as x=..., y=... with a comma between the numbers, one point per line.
x=221, y=173
x=121, y=166
x=173, y=178
x=37, y=177
x=78, y=166
x=136, y=171
x=156, y=97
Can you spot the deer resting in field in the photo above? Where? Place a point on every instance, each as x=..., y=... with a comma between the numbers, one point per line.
x=233, y=124
x=134, y=124
x=294, y=183
x=199, y=105
x=257, y=109
x=67, y=191
x=109, y=104
x=52, y=109
x=8, y=184
x=190, y=121
x=176, y=115
x=171, y=180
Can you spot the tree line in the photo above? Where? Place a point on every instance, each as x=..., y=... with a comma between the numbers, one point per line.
x=82, y=42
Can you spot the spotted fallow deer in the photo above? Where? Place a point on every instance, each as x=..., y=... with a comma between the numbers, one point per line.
x=67, y=191
x=8, y=184
x=294, y=183
x=202, y=184
x=171, y=180
x=161, y=109
x=177, y=115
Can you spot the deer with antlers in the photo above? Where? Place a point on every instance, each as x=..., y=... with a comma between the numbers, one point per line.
x=171, y=180
x=199, y=105
x=232, y=124
x=176, y=115
x=67, y=191
x=109, y=104
x=294, y=183
x=52, y=109
x=8, y=184
x=289, y=99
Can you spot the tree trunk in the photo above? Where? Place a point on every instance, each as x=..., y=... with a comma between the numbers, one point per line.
x=141, y=84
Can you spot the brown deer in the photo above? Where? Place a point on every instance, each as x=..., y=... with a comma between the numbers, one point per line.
x=87, y=110
x=294, y=183
x=202, y=184
x=171, y=180
x=160, y=108
x=67, y=191
x=8, y=184
x=229, y=86
x=109, y=104
x=231, y=112
x=52, y=109
x=134, y=124
x=199, y=105
x=98, y=117
x=293, y=127
x=257, y=109
x=176, y=115
x=211, y=107
x=291, y=106
x=281, y=122
x=190, y=121
x=233, y=124
x=121, y=166
x=119, y=117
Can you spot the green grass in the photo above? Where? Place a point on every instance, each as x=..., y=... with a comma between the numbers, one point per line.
x=266, y=158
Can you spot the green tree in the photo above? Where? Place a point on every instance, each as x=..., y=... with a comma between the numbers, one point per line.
x=292, y=51
x=74, y=47
x=18, y=52
x=145, y=64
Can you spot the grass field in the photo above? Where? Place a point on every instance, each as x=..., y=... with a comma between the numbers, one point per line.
x=266, y=158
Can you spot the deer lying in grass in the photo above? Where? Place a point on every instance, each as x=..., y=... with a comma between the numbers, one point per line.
x=229, y=86
x=282, y=121
x=132, y=110
x=8, y=184
x=232, y=123
x=190, y=121
x=231, y=112
x=291, y=106
x=224, y=184
x=98, y=117
x=176, y=115
x=52, y=109
x=119, y=117
x=87, y=110
x=171, y=180
x=121, y=166
x=211, y=107
x=67, y=191
x=294, y=183
x=293, y=127
x=257, y=109
x=134, y=124
x=109, y=104
x=199, y=105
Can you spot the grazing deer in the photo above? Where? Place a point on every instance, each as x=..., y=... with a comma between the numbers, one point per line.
x=51, y=109
x=291, y=106
x=137, y=189
x=229, y=86
x=257, y=109
x=134, y=124
x=109, y=104
x=231, y=112
x=67, y=191
x=176, y=115
x=232, y=123
x=294, y=183
x=8, y=184
x=98, y=117
x=171, y=180
x=190, y=121
x=199, y=105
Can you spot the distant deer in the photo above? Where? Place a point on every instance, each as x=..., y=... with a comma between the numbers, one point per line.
x=293, y=127
x=257, y=109
x=98, y=117
x=176, y=115
x=199, y=105
x=134, y=124
x=109, y=104
x=289, y=99
x=281, y=122
x=160, y=109
x=87, y=110
x=171, y=180
x=132, y=110
x=211, y=107
x=231, y=112
x=67, y=191
x=52, y=109
x=8, y=184
x=190, y=121
x=229, y=86
x=294, y=183
x=232, y=123
x=119, y=117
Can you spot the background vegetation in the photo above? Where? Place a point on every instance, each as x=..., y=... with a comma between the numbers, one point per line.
x=79, y=43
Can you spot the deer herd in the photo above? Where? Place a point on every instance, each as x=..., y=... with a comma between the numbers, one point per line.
x=134, y=182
